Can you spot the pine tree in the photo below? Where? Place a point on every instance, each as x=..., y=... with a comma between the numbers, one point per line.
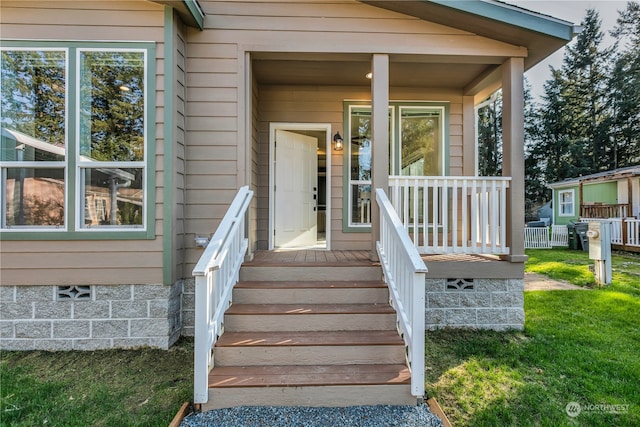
x=490, y=136
x=584, y=97
x=624, y=89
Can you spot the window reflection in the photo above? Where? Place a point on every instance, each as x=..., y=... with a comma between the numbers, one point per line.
x=34, y=197
x=421, y=141
x=112, y=196
x=112, y=106
x=32, y=109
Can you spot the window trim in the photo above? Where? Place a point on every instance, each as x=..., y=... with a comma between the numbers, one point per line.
x=73, y=167
x=573, y=202
x=395, y=150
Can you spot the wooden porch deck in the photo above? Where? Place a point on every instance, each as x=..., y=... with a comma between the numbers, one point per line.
x=440, y=266
x=315, y=257
x=311, y=257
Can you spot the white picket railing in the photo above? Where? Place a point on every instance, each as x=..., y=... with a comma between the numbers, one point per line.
x=559, y=235
x=445, y=214
x=633, y=232
x=216, y=273
x=537, y=238
x=404, y=272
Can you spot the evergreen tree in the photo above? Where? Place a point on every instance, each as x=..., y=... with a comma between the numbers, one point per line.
x=624, y=89
x=584, y=97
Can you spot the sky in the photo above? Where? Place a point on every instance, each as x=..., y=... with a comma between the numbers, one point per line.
x=573, y=11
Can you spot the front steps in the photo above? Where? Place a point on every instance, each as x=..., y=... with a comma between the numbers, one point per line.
x=311, y=342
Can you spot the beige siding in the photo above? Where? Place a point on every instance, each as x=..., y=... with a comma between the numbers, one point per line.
x=216, y=108
x=96, y=261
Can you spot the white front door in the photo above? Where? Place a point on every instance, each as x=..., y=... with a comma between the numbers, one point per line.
x=296, y=190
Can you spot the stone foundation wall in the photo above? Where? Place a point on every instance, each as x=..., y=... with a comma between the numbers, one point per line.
x=90, y=317
x=496, y=304
x=189, y=307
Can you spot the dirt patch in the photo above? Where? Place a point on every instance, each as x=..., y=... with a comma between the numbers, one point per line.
x=538, y=282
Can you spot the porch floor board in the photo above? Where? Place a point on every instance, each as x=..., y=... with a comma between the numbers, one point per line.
x=311, y=257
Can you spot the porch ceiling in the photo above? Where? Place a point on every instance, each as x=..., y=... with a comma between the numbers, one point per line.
x=350, y=70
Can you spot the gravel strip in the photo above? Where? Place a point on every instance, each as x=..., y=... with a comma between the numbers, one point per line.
x=352, y=416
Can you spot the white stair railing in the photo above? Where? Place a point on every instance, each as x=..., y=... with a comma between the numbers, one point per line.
x=453, y=214
x=216, y=273
x=404, y=272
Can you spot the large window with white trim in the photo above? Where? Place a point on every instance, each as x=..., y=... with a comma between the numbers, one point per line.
x=75, y=137
x=416, y=148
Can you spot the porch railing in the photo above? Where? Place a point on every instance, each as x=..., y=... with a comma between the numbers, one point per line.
x=446, y=215
x=604, y=210
x=404, y=272
x=216, y=273
x=625, y=232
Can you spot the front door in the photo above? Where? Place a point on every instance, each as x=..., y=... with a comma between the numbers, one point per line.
x=296, y=190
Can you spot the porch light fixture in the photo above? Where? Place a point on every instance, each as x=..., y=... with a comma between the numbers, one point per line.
x=338, y=142
x=369, y=75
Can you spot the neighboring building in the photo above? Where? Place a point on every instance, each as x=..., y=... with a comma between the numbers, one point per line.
x=610, y=194
x=129, y=126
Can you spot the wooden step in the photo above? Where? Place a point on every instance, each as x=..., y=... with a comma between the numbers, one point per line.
x=309, y=348
x=318, y=396
x=310, y=386
x=312, y=292
x=309, y=317
x=316, y=375
x=316, y=272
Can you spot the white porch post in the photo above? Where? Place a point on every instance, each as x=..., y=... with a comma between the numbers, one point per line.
x=513, y=153
x=380, y=139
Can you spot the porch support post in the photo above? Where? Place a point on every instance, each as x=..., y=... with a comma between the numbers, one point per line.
x=513, y=153
x=469, y=152
x=380, y=140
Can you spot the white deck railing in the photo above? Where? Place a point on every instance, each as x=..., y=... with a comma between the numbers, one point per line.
x=446, y=215
x=216, y=274
x=404, y=272
x=624, y=231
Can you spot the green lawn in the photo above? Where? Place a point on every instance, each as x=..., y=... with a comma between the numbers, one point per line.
x=577, y=346
x=101, y=388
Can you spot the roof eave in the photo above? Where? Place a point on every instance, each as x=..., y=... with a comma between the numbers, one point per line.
x=189, y=11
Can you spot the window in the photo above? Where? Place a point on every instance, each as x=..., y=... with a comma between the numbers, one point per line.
x=565, y=205
x=75, y=138
x=416, y=148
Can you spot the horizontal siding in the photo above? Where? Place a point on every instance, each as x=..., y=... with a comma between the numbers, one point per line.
x=89, y=262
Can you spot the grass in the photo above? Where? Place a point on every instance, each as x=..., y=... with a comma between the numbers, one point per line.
x=576, y=347
x=143, y=387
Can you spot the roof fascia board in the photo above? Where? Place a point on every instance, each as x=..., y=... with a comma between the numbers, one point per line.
x=189, y=11
x=196, y=12
x=513, y=15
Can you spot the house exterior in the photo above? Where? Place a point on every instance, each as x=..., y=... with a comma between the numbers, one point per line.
x=128, y=127
x=610, y=194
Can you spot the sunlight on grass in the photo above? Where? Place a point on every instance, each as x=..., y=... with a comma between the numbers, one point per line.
x=576, y=347
x=476, y=385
